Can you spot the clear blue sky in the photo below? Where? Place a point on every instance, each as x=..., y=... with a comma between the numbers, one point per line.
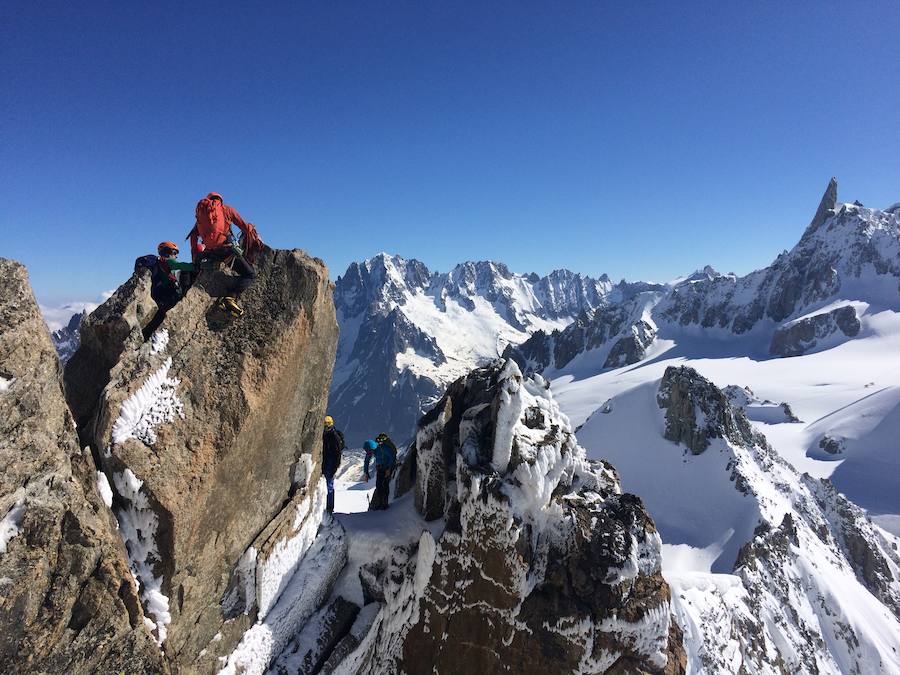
x=643, y=141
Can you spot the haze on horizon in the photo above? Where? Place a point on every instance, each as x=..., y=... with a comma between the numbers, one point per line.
x=642, y=142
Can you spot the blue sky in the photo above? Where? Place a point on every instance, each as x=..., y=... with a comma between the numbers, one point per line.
x=643, y=141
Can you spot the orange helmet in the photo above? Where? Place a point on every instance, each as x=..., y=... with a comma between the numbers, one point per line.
x=166, y=247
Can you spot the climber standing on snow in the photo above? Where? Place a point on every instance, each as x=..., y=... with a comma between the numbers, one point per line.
x=332, y=446
x=212, y=243
x=385, y=453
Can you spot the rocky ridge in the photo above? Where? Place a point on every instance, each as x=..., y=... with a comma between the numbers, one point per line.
x=570, y=567
x=847, y=253
x=67, y=600
x=814, y=567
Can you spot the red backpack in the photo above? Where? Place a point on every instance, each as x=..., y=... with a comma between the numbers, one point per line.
x=211, y=224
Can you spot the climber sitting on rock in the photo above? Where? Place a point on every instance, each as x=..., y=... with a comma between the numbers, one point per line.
x=164, y=287
x=385, y=453
x=213, y=243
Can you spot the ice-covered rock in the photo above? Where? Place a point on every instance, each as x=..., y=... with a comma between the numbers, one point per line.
x=210, y=436
x=67, y=601
x=543, y=565
x=797, y=337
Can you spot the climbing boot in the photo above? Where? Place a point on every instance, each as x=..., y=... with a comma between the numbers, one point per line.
x=230, y=305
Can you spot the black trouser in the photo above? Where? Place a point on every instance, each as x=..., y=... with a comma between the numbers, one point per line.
x=245, y=271
x=165, y=298
x=381, y=496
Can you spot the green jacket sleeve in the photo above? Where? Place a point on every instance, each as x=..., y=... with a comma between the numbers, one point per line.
x=181, y=266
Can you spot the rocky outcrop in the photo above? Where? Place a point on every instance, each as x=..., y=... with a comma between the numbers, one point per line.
x=632, y=347
x=210, y=436
x=543, y=565
x=697, y=411
x=619, y=324
x=757, y=409
x=798, y=337
x=68, y=602
x=107, y=333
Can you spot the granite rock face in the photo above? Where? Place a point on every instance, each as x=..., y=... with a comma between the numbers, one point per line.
x=697, y=411
x=798, y=337
x=543, y=564
x=68, y=602
x=210, y=435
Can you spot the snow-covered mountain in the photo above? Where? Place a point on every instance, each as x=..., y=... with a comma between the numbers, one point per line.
x=407, y=332
x=825, y=290
x=760, y=428
x=68, y=338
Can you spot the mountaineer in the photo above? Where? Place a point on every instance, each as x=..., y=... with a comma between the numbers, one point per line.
x=164, y=287
x=385, y=453
x=213, y=243
x=332, y=446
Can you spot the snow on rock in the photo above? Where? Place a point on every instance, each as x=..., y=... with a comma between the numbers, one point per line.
x=308, y=588
x=758, y=410
x=156, y=402
x=5, y=384
x=808, y=561
x=275, y=569
x=10, y=525
x=159, y=341
x=541, y=565
x=104, y=489
x=138, y=524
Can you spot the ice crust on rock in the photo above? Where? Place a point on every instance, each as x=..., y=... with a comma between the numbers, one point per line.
x=155, y=403
x=159, y=341
x=518, y=498
x=274, y=573
x=308, y=588
x=137, y=525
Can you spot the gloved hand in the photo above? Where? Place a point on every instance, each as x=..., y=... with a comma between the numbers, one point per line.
x=367, y=477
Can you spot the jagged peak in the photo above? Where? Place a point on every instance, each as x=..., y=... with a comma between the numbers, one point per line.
x=827, y=205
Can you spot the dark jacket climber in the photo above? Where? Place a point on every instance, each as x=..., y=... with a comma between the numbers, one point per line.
x=212, y=242
x=332, y=446
x=383, y=450
x=164, y=287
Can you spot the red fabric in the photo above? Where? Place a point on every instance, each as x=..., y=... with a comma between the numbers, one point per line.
x=164, y=266
x=214, y=219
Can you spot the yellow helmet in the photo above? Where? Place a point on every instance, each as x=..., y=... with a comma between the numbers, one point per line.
x=329, y=421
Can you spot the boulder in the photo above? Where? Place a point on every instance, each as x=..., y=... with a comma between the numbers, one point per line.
x=210, y=436
x=798, y=337
x=543, y=565
x=68, y=602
